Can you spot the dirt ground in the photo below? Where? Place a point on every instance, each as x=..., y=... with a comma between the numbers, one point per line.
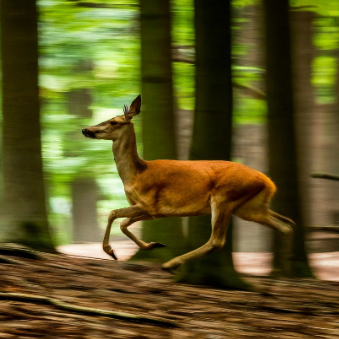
x=289, y=308
x=325, y=265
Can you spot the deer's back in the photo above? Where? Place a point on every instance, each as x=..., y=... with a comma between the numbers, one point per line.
x=186, y=187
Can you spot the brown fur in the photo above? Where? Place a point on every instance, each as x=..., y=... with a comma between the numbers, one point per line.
x=171, y=188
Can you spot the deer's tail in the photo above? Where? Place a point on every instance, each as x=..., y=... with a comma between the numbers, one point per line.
x=282, y=218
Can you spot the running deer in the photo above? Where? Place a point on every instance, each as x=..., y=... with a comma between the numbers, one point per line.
x=174, y=188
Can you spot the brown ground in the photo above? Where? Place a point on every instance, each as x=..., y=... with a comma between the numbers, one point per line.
x=290, y=309
x=325, y=265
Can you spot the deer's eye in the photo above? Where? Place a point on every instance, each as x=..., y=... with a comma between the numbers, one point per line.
x=113, y=123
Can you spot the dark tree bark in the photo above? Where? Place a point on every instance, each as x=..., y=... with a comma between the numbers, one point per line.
x=282, y=144
x=158, y=129
x=212, y=134
x=302, y=56
x=24, y=191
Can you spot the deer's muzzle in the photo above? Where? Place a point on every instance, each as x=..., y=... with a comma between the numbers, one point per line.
x=88, y=134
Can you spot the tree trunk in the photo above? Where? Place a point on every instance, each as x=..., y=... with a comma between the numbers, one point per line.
x=331, y=164
x=85, y=222
x=24, y=191
x=282, y=138
x=302, y=56
x=212, y=134
x=158, y=129
x=249, y=145
x=84, y=188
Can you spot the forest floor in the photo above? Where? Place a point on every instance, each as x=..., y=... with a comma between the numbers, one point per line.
x=325, y=265
x=38, y=294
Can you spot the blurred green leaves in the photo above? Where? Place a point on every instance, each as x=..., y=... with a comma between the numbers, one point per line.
x=95, y=45
x=90, y=48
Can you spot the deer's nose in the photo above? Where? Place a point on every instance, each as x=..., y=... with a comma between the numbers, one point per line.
x=84, y=131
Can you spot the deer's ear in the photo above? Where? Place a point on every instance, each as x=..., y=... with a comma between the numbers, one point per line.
x=135, y=106
x=134, y=109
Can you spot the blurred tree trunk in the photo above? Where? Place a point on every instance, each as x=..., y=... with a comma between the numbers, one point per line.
x=84, y=188
x=85, y=222
x=302, y=56
x=325, y=152
x=249, y=138
x=248, y=34
x=333, y=164
x=336, y=123
x=158, y=129
x=212, y=135
x=282, y=145
x=24, y=191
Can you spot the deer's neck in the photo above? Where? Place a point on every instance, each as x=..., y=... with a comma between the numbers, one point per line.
x=126, y=156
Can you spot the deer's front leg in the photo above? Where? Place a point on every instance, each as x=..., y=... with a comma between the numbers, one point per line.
x=142, y=244
x=133, y=214
x=128, y=212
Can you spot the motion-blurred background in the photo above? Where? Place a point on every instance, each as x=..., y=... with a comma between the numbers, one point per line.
x=265, y=74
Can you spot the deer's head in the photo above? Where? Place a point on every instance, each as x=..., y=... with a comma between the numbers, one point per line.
x=113, y=129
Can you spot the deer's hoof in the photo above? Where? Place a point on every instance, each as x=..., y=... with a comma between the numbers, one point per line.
x=113, y=255
x=152, y=245
x=108, y=249
x=169, y=267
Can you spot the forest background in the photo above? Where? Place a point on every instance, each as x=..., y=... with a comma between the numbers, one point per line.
x=89, y=67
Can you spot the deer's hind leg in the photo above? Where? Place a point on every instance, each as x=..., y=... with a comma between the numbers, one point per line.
x=256, y=209
x=133, y=214
x=221, y=215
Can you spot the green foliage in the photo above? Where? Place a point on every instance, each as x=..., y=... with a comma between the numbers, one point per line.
x=84, y=47
x=325, y=65
x=324, y=77
x=327, y=33
x=183, y=23
x=183, y=36
x=250, y=111
x=323, y=8
x=326, y=39
x=95, y=44
x=243, y=3
x=184, y=85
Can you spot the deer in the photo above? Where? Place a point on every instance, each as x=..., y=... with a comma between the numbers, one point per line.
x=178, y=188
